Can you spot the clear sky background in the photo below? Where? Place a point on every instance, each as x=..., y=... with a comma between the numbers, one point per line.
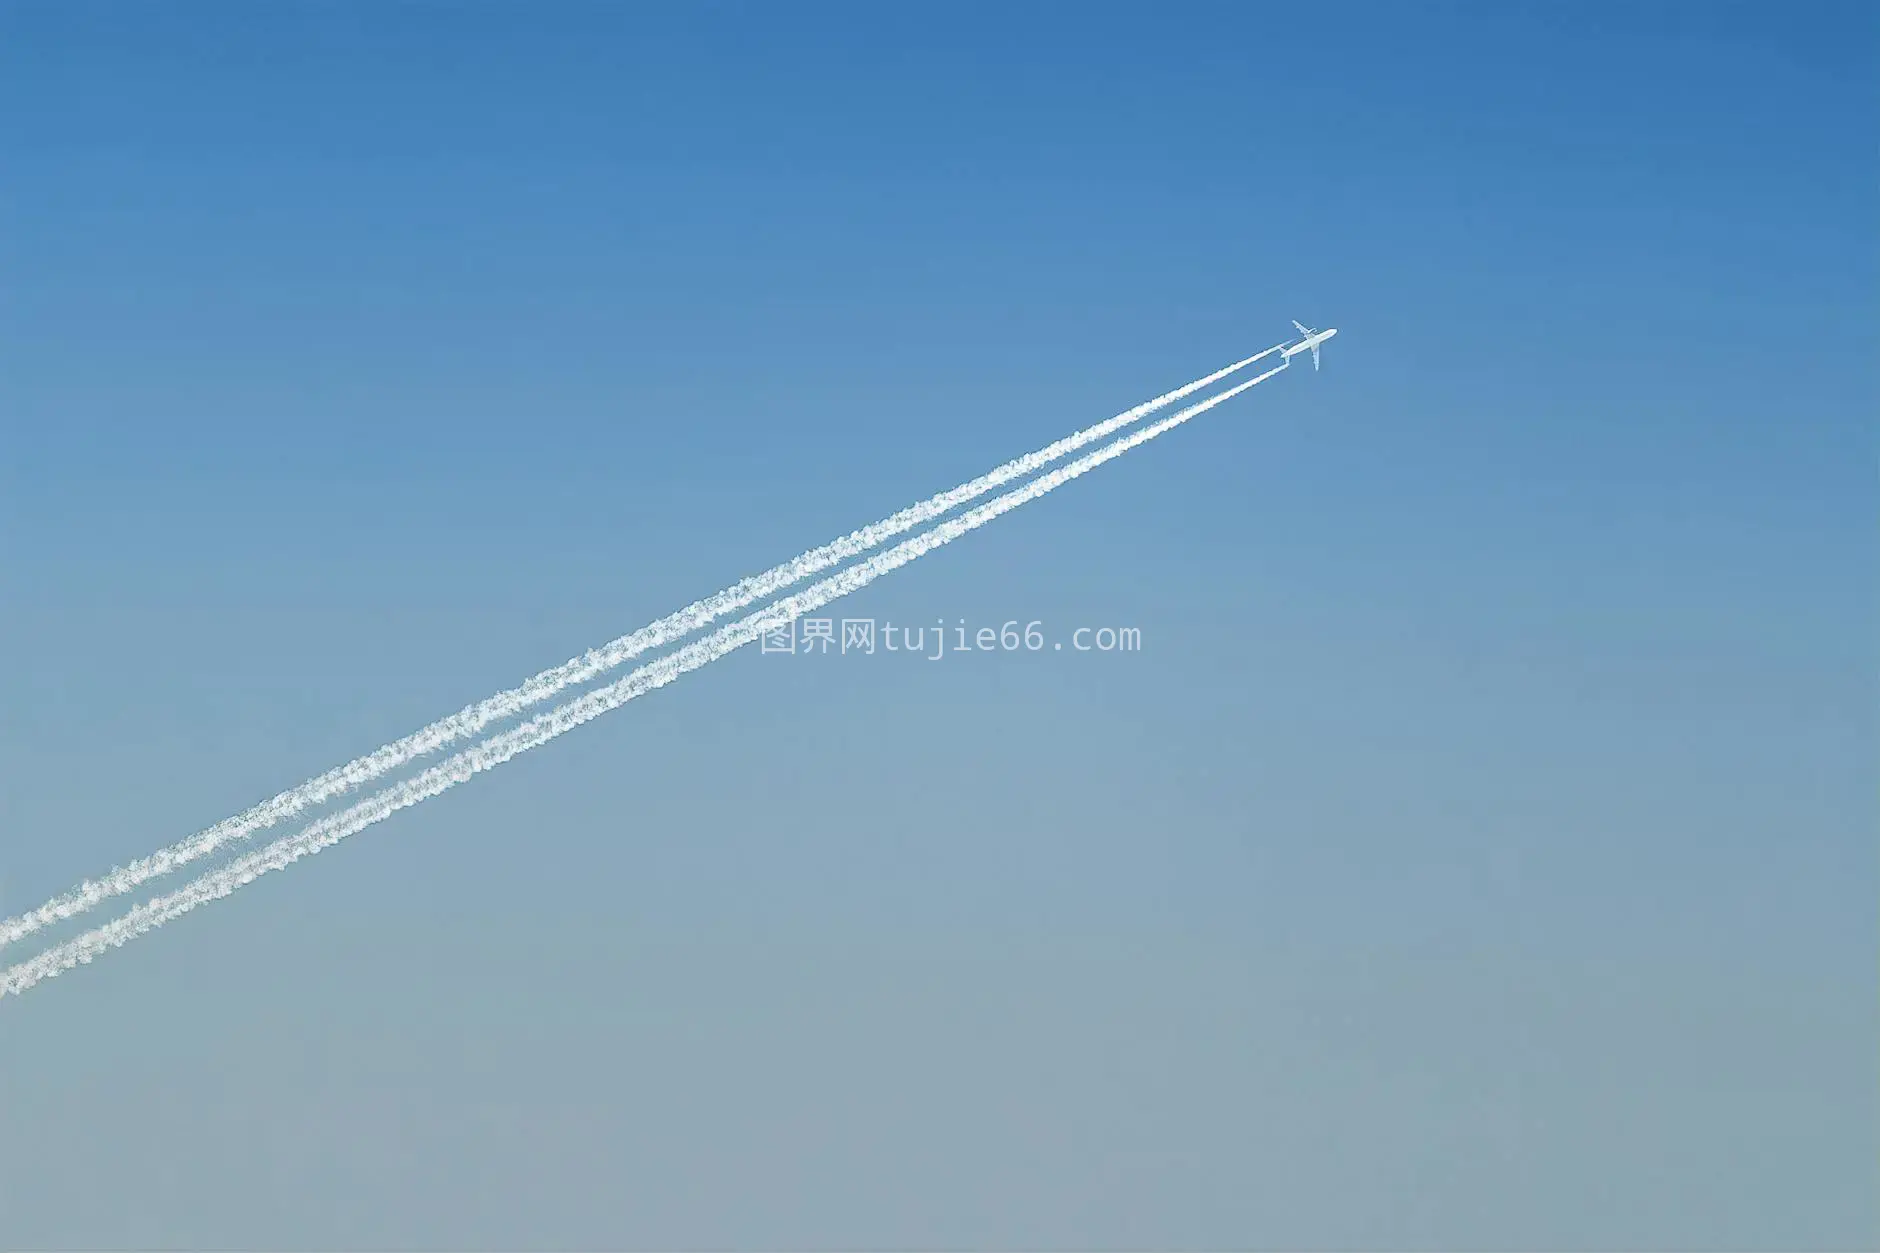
x=1479, y=853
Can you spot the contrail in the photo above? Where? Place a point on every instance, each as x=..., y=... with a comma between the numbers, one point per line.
x=474, y=718
x=497, y=749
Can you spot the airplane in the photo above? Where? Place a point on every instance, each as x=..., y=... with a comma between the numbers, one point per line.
x=1312, y=340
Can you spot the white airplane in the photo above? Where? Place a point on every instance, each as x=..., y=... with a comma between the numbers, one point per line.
x=1312, y=340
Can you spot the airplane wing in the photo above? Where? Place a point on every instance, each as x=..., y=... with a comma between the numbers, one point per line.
x=1303, y=329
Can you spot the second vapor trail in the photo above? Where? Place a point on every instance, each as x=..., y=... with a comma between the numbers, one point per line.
x=474, y=718
x=497, y=749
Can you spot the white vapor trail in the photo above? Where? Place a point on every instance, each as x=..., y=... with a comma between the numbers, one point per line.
x=497, y=749
x=474, y=718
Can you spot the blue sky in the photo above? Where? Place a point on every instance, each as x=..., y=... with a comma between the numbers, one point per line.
x=1480, y=851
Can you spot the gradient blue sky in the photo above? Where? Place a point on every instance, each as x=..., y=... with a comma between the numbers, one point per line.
x=1481, y=852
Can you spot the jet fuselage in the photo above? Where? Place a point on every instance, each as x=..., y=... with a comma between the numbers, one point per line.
x=1308, y=343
